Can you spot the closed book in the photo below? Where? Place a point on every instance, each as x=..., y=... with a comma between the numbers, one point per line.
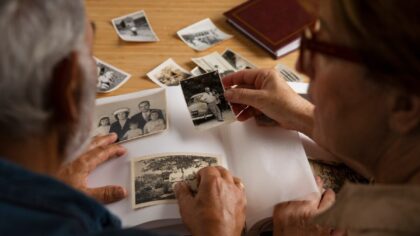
x=276, y=25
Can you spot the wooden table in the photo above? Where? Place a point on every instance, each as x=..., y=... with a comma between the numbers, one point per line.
x=166, y=18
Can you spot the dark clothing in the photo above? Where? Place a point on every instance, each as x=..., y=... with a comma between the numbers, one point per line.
x=33, y=204
x=120, y=131
x=142, y=121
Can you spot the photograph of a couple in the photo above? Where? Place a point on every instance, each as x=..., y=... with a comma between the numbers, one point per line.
x=132, y=118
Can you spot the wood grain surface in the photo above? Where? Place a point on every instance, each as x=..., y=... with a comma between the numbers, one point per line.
x=166, y=18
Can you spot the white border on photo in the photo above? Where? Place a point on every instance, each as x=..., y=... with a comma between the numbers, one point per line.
x=288, y=74
x=126, y=75
x=138, y=38
x=237, y=55
x=228, y=116
x=210, y=61
x=105, y=107
x=161, y=155
x=153, y=75
x=201, y=29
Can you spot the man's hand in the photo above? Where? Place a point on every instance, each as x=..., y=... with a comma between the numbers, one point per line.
x=218, y=208
x=264, y=91
x=293, y=218
x=76, y=172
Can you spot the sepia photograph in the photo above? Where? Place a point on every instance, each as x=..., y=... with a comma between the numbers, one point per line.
x=109, y=77
x=214, y=62
x=202, y=35
x=134, y=27
x=132, y=118
x=288, y=74
x=237, y=61
x=153, y=177
x=205, y=100
x=169, y=73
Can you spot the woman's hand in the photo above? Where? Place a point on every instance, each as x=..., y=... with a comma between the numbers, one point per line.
x=293, y=218
x=76, y=172
x=265, y=91
x=218, y=208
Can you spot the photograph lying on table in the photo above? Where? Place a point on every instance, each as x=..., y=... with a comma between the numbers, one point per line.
x=197, y=71
x=206, y=103
x=214, y=62
x=134, y=27
x=131, y=116
x=109, y=77
x=168, y=74
x=153, y=177
x=287, y=73
x=202, y=35
x=237, y=61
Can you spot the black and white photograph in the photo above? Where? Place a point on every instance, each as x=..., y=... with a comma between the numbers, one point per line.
x=205, y=100
x=202, y=35
x=154, y=177
x=197, y=71
x=169, y=73
x=109, y=77
x=214, y=62
x=134, y=27
x=132, y=118
x=237, y=61
x=287, y=74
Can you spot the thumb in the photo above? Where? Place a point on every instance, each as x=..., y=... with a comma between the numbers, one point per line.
x=107, y=194
x=251, y=97
x=328, y=199
x=185, y=198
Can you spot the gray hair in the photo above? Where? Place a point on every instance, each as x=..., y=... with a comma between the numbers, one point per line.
x=36, y=36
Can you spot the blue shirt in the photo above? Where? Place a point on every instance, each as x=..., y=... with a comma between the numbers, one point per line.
x=33, y=204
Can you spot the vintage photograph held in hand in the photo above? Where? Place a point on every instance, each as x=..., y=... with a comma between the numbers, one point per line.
x=214, y=62
x=154, y=177
x=134, y=27
x=202, y=35
x=132, y=118
x=109, y=77
x=206, y=102
x=237, y=61
x=288, y=74
x=169, y=73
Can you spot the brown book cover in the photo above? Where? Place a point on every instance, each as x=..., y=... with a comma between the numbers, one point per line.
x=276, y=25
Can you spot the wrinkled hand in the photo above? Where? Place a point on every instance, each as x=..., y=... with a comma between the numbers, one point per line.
x=76, y=172
x=218, y=208
x=263, y=90
x=293, y=218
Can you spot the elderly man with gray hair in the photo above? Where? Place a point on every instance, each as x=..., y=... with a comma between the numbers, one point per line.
x=47, y=94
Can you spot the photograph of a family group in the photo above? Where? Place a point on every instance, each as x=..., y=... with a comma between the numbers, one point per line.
x=206, y=103
x=132, y=118
x=110, y=78
x=154, y=177
x=135, y=27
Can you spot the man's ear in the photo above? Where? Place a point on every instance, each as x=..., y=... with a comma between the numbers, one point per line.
x=65, y=89
x=405, y=114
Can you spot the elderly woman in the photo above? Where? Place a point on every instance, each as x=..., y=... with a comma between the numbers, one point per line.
x=362, y=58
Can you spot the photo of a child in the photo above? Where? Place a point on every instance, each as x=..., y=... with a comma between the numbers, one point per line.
x=155, y=123
x=103, y=126
x=134, y=131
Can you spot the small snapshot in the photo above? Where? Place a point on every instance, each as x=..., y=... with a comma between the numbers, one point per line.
x=132, y=118
x=197, y=71
x=168, y=74
x=153, y=178
x=206, y=103
x=237, y=61
x=202, y=35
x=214, y=62
x=109, y=77
x=134, y=27
x=288, y=74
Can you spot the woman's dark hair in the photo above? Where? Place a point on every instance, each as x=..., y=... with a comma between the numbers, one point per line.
x=103, y=118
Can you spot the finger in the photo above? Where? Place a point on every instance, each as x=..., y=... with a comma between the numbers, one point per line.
x=185, y=197
x=244, y=77
x=320, y=184
x=207, y=176
x=327, y=200
x=103, y=140
x=225, y=174
x=107, y=194
x=102, y=154
x=238, y=182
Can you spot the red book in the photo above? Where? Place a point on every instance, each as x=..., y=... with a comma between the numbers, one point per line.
x=276, y=25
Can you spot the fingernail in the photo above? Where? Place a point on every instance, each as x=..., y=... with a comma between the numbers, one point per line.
x=228, y=94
